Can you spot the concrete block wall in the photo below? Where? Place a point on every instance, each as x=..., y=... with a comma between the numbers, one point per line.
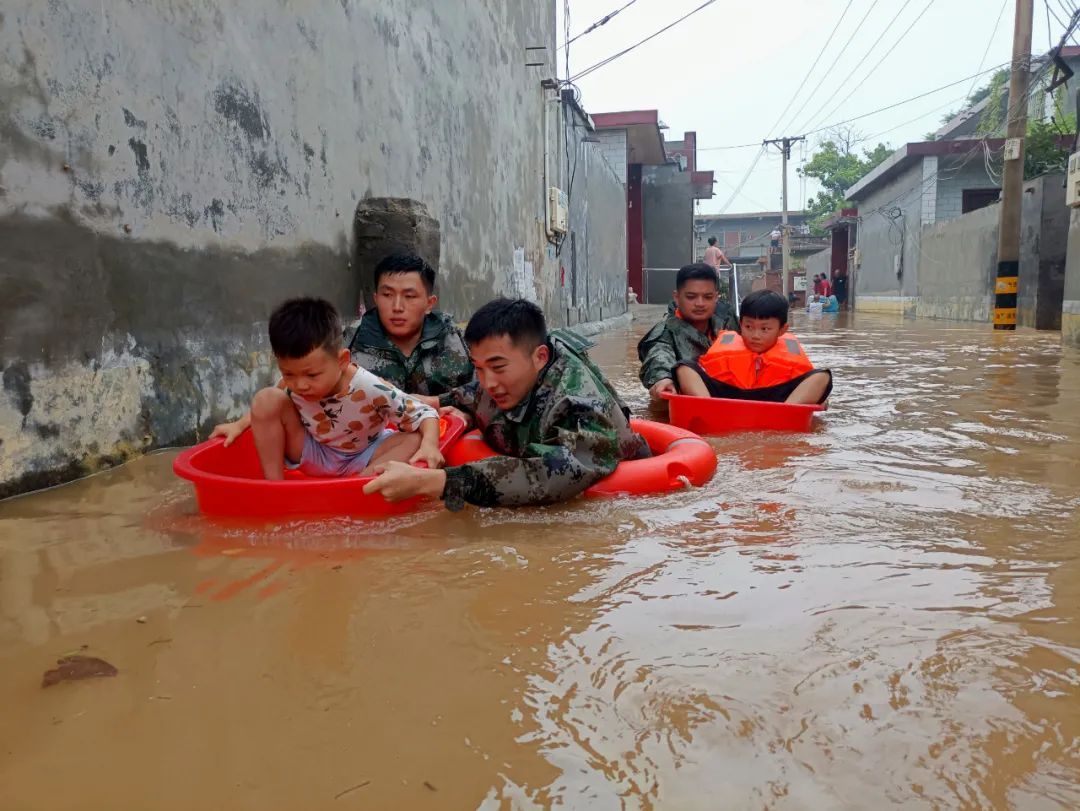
x=613, y=148
x=1070, y=308
x=955, y=176
x=170, y=171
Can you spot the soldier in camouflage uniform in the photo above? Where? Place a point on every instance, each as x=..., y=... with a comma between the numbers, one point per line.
x=694, y=319
x=405, y=340
x=540, y=402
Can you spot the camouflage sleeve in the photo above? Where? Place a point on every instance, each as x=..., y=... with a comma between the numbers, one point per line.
x=656, y=351
x=456, y=355
x=582, y=449
x=463, y=397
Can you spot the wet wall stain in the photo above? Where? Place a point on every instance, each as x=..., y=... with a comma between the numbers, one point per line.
x=73, y=294
x=142, y=162
x=235, y=104
x=132, y=121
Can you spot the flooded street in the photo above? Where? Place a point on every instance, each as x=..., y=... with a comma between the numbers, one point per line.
x=883, y=612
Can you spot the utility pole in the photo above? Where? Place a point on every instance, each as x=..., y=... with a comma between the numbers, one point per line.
x=785, y=145
x=1012, y=186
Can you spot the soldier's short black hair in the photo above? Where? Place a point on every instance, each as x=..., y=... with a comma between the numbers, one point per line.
x=712, y=240
x=301, y=325
x=406, y=263
x=764, y=304
x=520, y=320
x=698, y=271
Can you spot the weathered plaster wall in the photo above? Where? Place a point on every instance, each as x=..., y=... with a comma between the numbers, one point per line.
x=168, y=172
x=593, y=255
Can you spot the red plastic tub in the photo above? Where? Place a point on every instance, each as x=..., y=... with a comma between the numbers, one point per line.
x=716, y=415
x=229, y=482
x=680, y=458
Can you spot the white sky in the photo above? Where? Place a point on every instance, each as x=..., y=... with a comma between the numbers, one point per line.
x=729, y=70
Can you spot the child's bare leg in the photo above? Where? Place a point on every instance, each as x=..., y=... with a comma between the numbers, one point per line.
x=690, y=382
x=397, y=448
x=811, y=390
x=277, y=431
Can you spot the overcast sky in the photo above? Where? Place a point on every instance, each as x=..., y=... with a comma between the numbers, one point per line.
x=728, y=72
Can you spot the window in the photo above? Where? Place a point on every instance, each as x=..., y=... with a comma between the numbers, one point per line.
x=974, y=199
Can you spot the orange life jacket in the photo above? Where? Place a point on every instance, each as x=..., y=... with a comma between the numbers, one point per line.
x=730, y=361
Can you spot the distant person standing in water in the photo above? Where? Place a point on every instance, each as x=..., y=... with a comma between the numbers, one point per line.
x=714, y=257
x=840, y=283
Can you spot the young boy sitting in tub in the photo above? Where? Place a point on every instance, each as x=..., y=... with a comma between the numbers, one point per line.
x=763, y=361
x=328, y=417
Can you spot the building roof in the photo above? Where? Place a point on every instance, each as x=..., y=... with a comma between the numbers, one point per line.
x=644, y=142
x=910, y=154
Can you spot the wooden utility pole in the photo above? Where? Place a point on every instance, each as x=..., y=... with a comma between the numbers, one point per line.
x=785, y=150
x=1012, y=186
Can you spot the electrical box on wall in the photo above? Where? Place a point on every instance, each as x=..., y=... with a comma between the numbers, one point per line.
x=1072, y=181
x=557, y=212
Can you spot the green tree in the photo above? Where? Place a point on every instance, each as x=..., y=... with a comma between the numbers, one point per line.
x=837, y=165
x=1041, y=151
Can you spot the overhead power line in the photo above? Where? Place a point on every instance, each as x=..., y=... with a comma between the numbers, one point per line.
x=905, y=101
x=638, y=44
x=880, y=60
x=602, y=21
x=738, y=189
x=821, y=82
x=806, y=76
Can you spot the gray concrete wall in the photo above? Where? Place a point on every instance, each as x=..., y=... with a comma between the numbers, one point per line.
x=168, y=172
x=881, y=239
x=667, y=202
x=1070, y=308
x=955, y=176
x=1042, y=275
x=957, y=267
x=593, y=255
x=817, y=263
x=958, y=261
x=613, y=146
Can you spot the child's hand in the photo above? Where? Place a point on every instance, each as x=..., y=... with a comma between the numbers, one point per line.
x=229, y=430
x=665, y=386
x=429, y=454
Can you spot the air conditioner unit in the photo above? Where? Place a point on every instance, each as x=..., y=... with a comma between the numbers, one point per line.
x=1072, y=181
x=557, y=212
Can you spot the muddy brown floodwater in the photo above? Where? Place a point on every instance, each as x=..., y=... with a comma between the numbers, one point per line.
x=885, y=612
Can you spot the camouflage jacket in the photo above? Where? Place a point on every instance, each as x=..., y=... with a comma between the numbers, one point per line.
x=675, y=341
x=439, y=363
x=569, y=433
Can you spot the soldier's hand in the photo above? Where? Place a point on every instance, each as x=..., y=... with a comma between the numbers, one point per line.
x=665, y=386
x=426, y=400
x=450, y=411
x=398, y=480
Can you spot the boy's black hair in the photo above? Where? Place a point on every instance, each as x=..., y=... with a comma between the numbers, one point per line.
x=764, y=304
x=520, y=320
x=406, y=263
x=301, y=325
x=712, y=240
x=698, y=271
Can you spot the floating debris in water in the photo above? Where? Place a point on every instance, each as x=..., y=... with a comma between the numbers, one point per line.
x=73, y=668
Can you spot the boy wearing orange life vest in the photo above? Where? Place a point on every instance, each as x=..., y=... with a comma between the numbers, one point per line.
x=764, y=362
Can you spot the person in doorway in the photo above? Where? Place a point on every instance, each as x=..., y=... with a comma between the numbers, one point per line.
x=817, y=284
x=714, y=257
x=541, y=403
x=763, y=361
x=405, y=340
x=840, y=288
x=329, y=417
x=826, y=286
x=696, y=316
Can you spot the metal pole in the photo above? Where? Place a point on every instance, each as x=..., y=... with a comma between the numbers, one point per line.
x=735, y=284
x=786, y=249
x=1012, y=187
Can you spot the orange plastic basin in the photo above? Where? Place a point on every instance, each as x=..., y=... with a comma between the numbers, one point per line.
x=710, y=416
x=229, y=482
